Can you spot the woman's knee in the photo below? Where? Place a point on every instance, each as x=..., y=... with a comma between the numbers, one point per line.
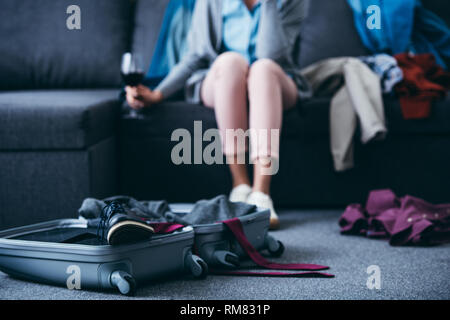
x=231, y=63
x=266, y=69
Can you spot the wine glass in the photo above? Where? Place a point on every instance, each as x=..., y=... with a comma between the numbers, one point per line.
x=132, y=73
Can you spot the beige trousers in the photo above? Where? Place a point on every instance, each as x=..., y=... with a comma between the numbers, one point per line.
x=358, y=97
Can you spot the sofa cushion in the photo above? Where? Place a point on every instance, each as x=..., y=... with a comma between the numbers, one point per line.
x=412, y=160
x=38, y=186
x=437, y=124
x=149, y=15
x=310, y=119
x=161, y=120
x=314, y=116
x=329, y=31
x=39, y=51
x=56, y=119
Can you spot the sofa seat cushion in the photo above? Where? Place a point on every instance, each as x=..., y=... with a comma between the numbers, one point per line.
x=437, y=123
x=161, y=120
x=314, y=115
x=56, y=119
x=309, y=119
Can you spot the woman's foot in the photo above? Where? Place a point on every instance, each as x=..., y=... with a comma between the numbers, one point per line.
x=240, y=193
x=263, y=200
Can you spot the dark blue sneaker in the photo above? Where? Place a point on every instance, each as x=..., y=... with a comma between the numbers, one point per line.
x=117, y=227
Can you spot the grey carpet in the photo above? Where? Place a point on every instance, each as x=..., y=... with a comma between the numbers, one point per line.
x=309, y=236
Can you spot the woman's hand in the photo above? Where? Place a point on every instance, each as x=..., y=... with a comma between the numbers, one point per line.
x=141, y=96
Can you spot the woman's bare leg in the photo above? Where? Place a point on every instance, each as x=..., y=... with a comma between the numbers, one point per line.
x=270, y=91
x=261, y=182
x=225, y=90
x=239, y=172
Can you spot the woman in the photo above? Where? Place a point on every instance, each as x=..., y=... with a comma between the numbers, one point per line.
x=240, y=62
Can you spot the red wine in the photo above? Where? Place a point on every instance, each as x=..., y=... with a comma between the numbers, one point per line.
x=133, y=78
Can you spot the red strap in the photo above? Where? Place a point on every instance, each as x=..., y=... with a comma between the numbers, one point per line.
x=165, y=227
x=308, y=274
x=236, y=228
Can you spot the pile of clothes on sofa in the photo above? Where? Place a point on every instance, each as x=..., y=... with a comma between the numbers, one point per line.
x=418, y=40
x=408, y=49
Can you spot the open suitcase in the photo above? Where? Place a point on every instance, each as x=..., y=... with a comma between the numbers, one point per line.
x=41, y=252
x=218, y=248
x=36, y=253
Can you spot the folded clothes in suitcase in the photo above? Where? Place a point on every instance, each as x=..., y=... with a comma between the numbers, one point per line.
x=61, y=253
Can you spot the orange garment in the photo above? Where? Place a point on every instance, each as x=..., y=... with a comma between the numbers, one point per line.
x=424, y=81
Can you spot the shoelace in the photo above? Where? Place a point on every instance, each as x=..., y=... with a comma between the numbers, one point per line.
x=108, y=211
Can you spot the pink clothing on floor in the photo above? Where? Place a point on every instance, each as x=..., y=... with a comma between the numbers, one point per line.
x=246, y=97
x=404, y=221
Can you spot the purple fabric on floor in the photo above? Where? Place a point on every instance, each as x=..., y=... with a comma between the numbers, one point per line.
x=404, y=221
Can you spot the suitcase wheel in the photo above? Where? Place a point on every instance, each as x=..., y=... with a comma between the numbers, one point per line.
x=124, y=282
x=275, y=247
x=279, y=251
x=196, y=265
x=226, y=258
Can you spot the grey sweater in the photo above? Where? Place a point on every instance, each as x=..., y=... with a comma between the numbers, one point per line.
x=278, y=32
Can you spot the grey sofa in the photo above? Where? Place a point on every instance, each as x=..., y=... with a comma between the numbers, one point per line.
x=58, y=105
x=62, y=136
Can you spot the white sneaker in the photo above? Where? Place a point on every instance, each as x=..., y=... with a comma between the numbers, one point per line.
x=263, y=200
x=240, y=193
